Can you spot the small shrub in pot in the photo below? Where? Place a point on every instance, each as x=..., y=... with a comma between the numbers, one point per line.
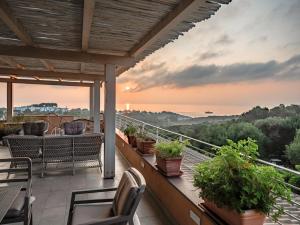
x=236, y=188
x=130, y=131
x=169, y=157
x=145, y=144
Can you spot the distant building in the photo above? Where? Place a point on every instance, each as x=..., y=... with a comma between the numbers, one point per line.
x=42, y=108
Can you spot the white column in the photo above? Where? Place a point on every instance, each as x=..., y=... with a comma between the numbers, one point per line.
x=109, y=121
x=9, y=105
x=91, y=103
x=96, y=105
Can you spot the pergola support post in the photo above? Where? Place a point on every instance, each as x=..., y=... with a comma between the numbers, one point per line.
x=109, y=121
x=9, y=105
x=96, y=106
x=91, y=106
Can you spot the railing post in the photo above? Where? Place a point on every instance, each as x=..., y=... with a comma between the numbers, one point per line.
x=143, y=127
x=180, y=138
x=156, y=134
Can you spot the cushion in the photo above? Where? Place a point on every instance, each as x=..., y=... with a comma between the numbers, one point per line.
x=34, y=128
x=85, y=214
x=125, y=195
x=74, y=128
x=17, y=207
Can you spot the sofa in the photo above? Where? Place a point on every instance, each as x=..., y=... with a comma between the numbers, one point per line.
x=67, y=150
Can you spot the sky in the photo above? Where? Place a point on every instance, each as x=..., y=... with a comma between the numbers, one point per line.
x=247, y=54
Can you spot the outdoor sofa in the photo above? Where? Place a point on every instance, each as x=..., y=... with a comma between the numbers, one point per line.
x=62, y=151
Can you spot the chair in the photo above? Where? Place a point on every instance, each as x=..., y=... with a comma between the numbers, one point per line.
x=21, y=208
x=87, y=148
x=39, y=128
x=24, y=146
x=119, y=210
x=74, y=128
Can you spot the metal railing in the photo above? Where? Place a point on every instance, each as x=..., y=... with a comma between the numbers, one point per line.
x=204, y=151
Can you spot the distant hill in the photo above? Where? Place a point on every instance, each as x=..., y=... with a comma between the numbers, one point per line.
x=166, y=119
x=263, y=112
x=163, y=118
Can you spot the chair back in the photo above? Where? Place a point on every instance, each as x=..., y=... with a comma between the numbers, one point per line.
x=57, y=148
x=25, y=146
x=129, y=193
x=35, y=128
x=74, y=128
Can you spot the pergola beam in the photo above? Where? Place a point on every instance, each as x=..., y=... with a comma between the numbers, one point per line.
x=64, y=55
x=11, y=62
x=88, y=13
x=46, y=82
x=163, y=27
x=7, y=17
x=47, y=64
x=50, y=74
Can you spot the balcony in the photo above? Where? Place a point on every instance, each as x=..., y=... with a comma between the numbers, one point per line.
x=183, y=186
x=53, y=193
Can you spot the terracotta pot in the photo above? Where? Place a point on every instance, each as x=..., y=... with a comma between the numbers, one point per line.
x=232, y=217
x=169, y=166
x=145, y=146
x=132, y=140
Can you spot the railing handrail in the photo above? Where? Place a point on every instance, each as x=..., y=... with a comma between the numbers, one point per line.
x=209, y=144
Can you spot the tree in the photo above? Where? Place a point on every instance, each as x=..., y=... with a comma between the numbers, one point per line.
x=279, y=132
x=255, y=114
x=243, y=130
x=293, y=150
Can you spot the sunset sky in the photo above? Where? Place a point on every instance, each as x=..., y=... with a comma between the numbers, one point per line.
x=247, y=54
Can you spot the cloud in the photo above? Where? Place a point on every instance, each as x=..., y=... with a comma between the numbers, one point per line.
x=224, y=40
x=198, y=75
x=210, y=55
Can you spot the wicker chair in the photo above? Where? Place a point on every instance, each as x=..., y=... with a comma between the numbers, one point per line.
x=119, y=211
x=39, y=128
x=56, y=149
x=25, y=146
x=88, y=147
x=74, y=128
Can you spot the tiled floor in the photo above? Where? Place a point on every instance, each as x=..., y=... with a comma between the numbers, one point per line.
x=53, y=193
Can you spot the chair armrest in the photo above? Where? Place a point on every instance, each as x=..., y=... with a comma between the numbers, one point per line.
x=89, y=201
x=109, y=221
x=88, y=191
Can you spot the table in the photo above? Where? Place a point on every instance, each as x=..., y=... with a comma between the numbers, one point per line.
x=7, y=196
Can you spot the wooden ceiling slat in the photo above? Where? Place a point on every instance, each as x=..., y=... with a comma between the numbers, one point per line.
x=8, y=18
x=183, y=9
x=46, y=82
x=64, y=55
x=50, y=74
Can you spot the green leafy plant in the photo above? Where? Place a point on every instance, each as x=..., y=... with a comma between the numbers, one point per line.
x=233, y=180
x=170, y=149
x=130, y=130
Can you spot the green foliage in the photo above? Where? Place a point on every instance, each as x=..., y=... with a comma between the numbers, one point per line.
x=243, y=130
x=255, y=113
x=293, y=149
x=279, y=133
x=232, y=180
x=130, y=130
x=171, y=149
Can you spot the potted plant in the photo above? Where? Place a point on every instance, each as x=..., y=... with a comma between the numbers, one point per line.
x=169, y=157
x=145, y=144
x=236, y=188
x=130, y=131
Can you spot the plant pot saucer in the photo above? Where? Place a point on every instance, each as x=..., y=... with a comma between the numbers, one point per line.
x=169, y=175
x=143, y=154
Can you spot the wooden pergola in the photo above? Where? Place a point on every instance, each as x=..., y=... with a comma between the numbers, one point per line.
x=87, y=43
